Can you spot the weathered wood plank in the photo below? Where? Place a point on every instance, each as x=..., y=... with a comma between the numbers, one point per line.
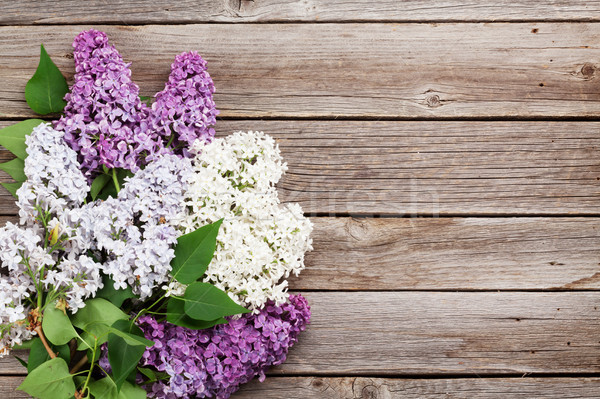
x=437, y=333
x=388, y=388
x=451, y=253
x=189, y=11
x=431, y=167
x=433, y=332
x=351, y=70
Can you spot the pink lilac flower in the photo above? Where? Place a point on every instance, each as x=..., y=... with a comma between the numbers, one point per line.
x=104, y=119
x=185, y=110
x=108, y=125
x=216, y=361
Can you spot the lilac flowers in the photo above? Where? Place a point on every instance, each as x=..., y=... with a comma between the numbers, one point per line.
x=185, y=110
x=215, y=362
x=136, y=223
x=103, y=116
x=108, y=125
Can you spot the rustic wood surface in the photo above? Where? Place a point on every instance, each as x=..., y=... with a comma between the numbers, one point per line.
x=190, y=11
x=485, y=114
x=351, y=70
x=431, y=167
x=388, y=388
x=436, y=333
x=379, y=388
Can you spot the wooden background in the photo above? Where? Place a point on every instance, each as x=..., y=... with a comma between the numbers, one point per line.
x=447, y=152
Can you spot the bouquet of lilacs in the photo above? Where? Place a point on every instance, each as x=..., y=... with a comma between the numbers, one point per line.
x=150, y=258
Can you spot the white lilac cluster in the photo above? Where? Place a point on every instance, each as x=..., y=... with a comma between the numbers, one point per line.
x=132, y=230
x=260, y=242
x=53, y=193
x=46, y=204
x=15, y=288
x=54, y=180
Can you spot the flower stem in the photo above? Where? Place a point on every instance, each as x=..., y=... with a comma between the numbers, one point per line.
x=79, y=364
x=87, y=381
x=141, y=312
x=115, y=180
x=170, y=140
x=39, y=331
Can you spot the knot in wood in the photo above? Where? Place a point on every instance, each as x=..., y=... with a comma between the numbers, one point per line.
x=433, y=101
x=370, y=392
x=587, y=70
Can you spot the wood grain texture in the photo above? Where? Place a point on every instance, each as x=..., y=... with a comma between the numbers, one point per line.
x=437, y=333
x=390, y=388
x=348, y=70
x=453, y=253
x=431, y=167
x=407, y=333
x=450, y=254
x=189, y=11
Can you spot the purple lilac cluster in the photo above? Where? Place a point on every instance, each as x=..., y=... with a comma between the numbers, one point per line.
x=106, y=122
x=185, y=110
x=104, y=117
x=216, y=361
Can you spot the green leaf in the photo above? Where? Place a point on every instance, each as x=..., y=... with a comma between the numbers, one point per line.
x=13, y=137
x=64, y=352
x=117, y=297
x=98, y=184
x=12, y=187
x=176, y=315
x=123, y=358
x=46, y=89
x=105, y=388
x=148, y=373
x=193, y=253
x=50, y=380
x=132, y=334
x=122, y=174
x=153, y=375
x=87, y=342
x=110, y=190
x=204, y=301
x=37, y=355
x=24, y=345
x=97, y=316
x=107, y=191
x=15, y=169
x=129, y=391
x=147, y=99
x=124, y=353
x=57, y=326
